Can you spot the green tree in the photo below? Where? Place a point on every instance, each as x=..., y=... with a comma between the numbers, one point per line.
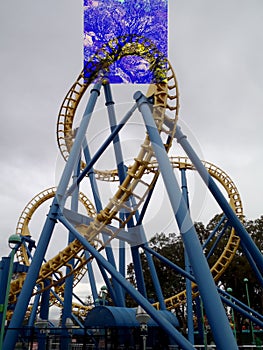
x=171, y=247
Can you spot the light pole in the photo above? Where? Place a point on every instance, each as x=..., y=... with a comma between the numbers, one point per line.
x=13, y=242
x=230, y=290
x=142, y=317
x=245, y=280
x=104, y=292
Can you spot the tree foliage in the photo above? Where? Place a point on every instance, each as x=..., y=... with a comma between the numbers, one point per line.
x=171, y=247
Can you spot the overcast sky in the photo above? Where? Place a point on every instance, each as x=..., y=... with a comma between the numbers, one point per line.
x=215, y=48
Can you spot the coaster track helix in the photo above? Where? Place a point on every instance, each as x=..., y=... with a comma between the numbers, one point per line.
x=172, y=302
x=165, y=108
x=165, y=99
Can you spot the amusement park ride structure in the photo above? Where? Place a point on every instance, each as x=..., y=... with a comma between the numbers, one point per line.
x=39, y=283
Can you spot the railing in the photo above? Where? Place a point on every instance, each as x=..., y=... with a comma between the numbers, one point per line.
x=102, y=339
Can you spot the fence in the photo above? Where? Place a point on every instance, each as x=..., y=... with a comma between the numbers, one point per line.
x=104, y=339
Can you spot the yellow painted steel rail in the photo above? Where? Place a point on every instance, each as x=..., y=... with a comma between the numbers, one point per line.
x=141, y=177
x=177, y=162
x=165, y=101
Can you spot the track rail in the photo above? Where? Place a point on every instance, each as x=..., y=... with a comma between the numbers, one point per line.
x=174, y=301
x=134, y=185
x=231, y=247
x=141, y=175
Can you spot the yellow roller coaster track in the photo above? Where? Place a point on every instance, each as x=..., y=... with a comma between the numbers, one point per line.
x=165, y=101
x=135, y=184
x=22, y=229
x=26, y=215
x=177, y=162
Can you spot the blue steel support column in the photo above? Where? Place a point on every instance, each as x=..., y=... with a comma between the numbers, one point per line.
x=138, y=270
x=122, y=258
x=103, y=148
x=119, y=301
x=146, y=305
x=76, y=147
x=5, y=264
x=122, y=175
x=108, y=284
x=138, y=267
x=214, y=308
x=247, y=240
x=92, y=281
x=33, y=312
x=116, y=141
x=155, y=280
x=134, y=250
x=242, y=308
x=119, y=161
x=68, y=290
x=93, y=161
x=252, y=263
x=237, y=305
x=30, y=281
x=212, y=249
x=7, y=280
x=92, y=178
x=44, y=309
x=149, y=258
x=212, y=234
x=79, y=141
x=189, y=298
x=120, y=298
x=33, y=271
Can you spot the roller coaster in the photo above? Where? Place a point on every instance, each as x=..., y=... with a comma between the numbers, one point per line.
x=94, y=226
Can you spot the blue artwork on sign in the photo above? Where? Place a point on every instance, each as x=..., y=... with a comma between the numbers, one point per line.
x=138, y=26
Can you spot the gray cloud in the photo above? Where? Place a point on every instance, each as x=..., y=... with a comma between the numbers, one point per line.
x=216, y=51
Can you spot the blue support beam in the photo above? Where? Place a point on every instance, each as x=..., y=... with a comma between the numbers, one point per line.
x=33, y=312
x=119, y=300
x=146, y=305
x=108, y=283
x=122, y=174
x=75, y=318
x=31, y=278
x=155, y=280
x=252, y=263
x=92, y=178
x=73, y=158
x=119, y=161
x=189, y=298
x=221, y=200
x=68, y=289
x=46, y=234
x=116, y=141
x=4, y=269
x=92, y=281
x=44, y=305
x=138, y=270
x=218, y=238
x=213, y=305
x=102, y=149
x=236, y=304
x=212, y=234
